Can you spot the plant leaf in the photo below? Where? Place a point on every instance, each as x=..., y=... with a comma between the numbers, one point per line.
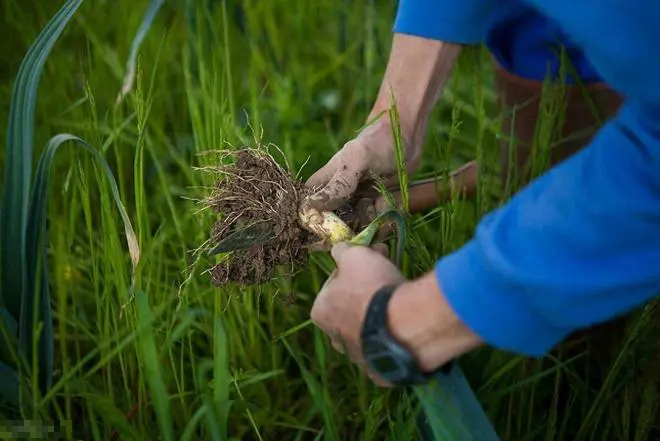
x=129, y=77
x=221, y=376
x=9, y=385
x=152, y=370
x=452, y=410
x=8, y=334
x=37, y=246
x=18, y=161
x=17, y=282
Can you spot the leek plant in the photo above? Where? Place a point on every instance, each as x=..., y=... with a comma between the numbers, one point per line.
x=26, y=323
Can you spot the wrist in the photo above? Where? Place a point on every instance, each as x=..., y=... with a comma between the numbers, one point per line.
x=420, y=318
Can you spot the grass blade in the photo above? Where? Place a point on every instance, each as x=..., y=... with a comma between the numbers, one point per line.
x=36, y=250
x=452, y=409
x=213, y=424
x=9, y=386
x=221, y=375
x=152, y=372
x=41, y=187
x=129, y=77
x=19, y=268
x=18, y=165
x=9, y=331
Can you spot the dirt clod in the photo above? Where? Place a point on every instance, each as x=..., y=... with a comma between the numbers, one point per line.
x=255, y=188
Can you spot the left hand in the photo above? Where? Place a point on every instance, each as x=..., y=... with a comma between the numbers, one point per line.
x=340, y=307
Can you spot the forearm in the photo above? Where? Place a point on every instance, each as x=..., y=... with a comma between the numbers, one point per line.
x=428, y=36
x=420, y=318
x=417, y=70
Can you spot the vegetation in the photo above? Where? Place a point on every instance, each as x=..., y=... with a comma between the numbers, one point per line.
x=143, y=345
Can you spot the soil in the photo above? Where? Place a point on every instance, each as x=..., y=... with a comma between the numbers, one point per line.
x=256, y=188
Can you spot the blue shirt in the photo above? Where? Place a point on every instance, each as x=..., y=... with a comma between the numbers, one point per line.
x=581, y=244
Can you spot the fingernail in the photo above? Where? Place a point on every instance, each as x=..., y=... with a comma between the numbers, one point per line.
x=339, y=249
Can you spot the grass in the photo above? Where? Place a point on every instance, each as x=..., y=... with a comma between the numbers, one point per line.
x=159, y=353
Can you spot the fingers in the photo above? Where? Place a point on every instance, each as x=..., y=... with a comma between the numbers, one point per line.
x=339, y=178
x=321, y=293
x=354, y=353
x=381, y=248
x=339, y=189
x=376, y=379
x=339, y=250
x=321, y=177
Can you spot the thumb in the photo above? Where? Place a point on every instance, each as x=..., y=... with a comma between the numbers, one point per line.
x=339, y=189
x=321, y=177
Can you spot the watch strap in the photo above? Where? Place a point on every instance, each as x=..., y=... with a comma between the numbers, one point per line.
x=385, y=355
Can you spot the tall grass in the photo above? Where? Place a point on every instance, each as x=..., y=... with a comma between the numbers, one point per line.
x=159, y=353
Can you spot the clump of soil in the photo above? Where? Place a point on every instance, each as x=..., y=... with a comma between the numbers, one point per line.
x=255, y=188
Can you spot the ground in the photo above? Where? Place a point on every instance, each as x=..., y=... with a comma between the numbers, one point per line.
x=299, y=74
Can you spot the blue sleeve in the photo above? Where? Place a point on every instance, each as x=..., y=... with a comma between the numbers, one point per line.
x=580, y=245
x=619, y=37
x=456, y=21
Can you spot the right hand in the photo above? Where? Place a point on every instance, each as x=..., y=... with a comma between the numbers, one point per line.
x=369, y=155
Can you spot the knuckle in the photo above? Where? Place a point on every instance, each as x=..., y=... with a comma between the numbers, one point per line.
x=317, y=314
x=357, y=152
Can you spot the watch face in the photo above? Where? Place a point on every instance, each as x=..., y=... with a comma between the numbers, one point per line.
x=384, y=363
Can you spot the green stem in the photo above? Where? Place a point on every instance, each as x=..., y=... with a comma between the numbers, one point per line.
x=366, y=236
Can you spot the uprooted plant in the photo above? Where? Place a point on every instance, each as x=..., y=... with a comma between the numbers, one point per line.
x=259, y=204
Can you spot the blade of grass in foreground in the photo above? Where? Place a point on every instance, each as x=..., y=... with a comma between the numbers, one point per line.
x=36, y=247
x=221, y=374
x=152, y=371
x=9, y=332
x=39, y=201
x=452, y=410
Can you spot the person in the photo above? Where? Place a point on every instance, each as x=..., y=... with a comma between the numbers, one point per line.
x=579, y=245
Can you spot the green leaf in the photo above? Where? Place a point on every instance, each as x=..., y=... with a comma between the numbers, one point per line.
x=152, y=371
x=37, y=245
x=17, y=282
x=452, y=410
x=9, y=385
x=129, y=77
x=113, y=416
x=8, y=334
x=221, y=375
x=18, y=165
x=191, y=427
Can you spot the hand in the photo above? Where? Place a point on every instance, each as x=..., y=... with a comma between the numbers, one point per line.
x=418, y=316
x=340, y=307
x=416, y=73
x=362, y=160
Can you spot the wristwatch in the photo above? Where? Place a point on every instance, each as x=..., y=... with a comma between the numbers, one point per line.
x=387, y=357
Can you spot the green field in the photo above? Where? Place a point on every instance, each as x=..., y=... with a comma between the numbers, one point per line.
x=156, y=352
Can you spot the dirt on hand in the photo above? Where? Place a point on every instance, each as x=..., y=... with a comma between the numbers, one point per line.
x=255, y=188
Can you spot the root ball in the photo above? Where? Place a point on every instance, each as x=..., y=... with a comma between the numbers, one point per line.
x=255, y=188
